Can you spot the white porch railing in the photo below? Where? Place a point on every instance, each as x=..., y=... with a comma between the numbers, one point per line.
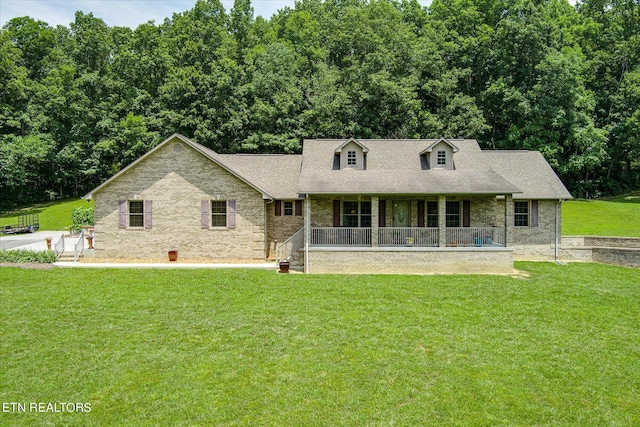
x=78, y=248
x=58, y=247
x=404, y=236
x=340, y=236
x=408, y=236
x=475, y=236
x=287, y=248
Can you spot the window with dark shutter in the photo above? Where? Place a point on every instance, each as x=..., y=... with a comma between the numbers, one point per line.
x=466, y=213
x=204, y=214
x=420, y=213
x=122, y=213
x=148, y=213
x=382, y=213
x=231, y=213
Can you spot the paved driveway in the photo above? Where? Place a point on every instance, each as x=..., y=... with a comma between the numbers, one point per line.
x=31, y=241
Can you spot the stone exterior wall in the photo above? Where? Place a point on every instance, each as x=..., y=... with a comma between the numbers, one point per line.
x=410, y=260
x=176, y=184
x=537, y=243
x=280, y=228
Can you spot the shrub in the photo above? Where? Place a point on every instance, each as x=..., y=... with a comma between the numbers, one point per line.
x=82, y=217
x=23, y=256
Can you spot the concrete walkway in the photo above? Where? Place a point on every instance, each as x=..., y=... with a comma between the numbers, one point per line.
x=165, y=265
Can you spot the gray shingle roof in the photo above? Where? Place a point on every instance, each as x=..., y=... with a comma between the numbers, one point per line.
x=529, y=171
x=393, y=167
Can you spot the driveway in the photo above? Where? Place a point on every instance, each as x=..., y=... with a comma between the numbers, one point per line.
x=31, y=241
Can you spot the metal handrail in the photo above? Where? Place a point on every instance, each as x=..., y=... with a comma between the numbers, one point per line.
x=58, y=247
x=78, y=248
x=285, y=249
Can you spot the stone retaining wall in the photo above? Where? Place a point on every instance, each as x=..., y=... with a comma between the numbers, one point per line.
x=623, y=251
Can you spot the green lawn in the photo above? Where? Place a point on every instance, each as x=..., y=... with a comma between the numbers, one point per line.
x=237, y=347
x=619, y=216
x=53, y=216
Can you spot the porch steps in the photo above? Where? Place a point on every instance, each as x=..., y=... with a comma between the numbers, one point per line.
x=67, y=257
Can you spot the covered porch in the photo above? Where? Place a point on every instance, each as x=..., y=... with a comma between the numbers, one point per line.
x=407, y=234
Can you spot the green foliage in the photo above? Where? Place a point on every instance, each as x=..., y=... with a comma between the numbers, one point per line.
x=82, y=216
x=556, y=346
x=608, y=217
x=53, y=216
x=79, y=103
x=21, y=256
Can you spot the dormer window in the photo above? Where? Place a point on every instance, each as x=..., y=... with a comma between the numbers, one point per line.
x=439, y=154
x=351, y=158
x=350, y=155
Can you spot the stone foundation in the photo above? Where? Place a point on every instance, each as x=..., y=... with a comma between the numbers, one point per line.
x=410, y=260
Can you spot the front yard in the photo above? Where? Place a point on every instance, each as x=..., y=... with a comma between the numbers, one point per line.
x=559, y=346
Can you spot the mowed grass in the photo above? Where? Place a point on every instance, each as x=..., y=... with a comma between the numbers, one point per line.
x=52, y=216
x=619, y=216
x=238, y=347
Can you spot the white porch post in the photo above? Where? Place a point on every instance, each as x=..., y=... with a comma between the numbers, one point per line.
x=442, y=221
x=374, y=221
x=307, y=231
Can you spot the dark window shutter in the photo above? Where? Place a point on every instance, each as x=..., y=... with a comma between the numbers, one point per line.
x=466, y=213
x=148, y=213
x=534, y=213
x=122, y=213
x=336, y=213
x=204, y=214
x=298, y=207
x=278, y=208
x=231, y=213
x=382, y=213
x=420, y=213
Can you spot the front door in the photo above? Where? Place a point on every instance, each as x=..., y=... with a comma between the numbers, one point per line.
x=401, y=214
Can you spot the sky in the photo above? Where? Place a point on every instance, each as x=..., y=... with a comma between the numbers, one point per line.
x=123, y=13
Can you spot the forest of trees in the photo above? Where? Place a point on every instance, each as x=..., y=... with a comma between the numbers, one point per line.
x=79, y=102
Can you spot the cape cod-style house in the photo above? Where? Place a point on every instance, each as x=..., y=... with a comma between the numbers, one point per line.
x=344, y=206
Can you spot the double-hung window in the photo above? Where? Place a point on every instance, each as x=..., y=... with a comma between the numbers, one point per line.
x=356, y=214
x=441, y=158
x=453, y=214
x=288, y=208
x=218, y=213
x=432, y=214
x=522, y=215
x=136, y=213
